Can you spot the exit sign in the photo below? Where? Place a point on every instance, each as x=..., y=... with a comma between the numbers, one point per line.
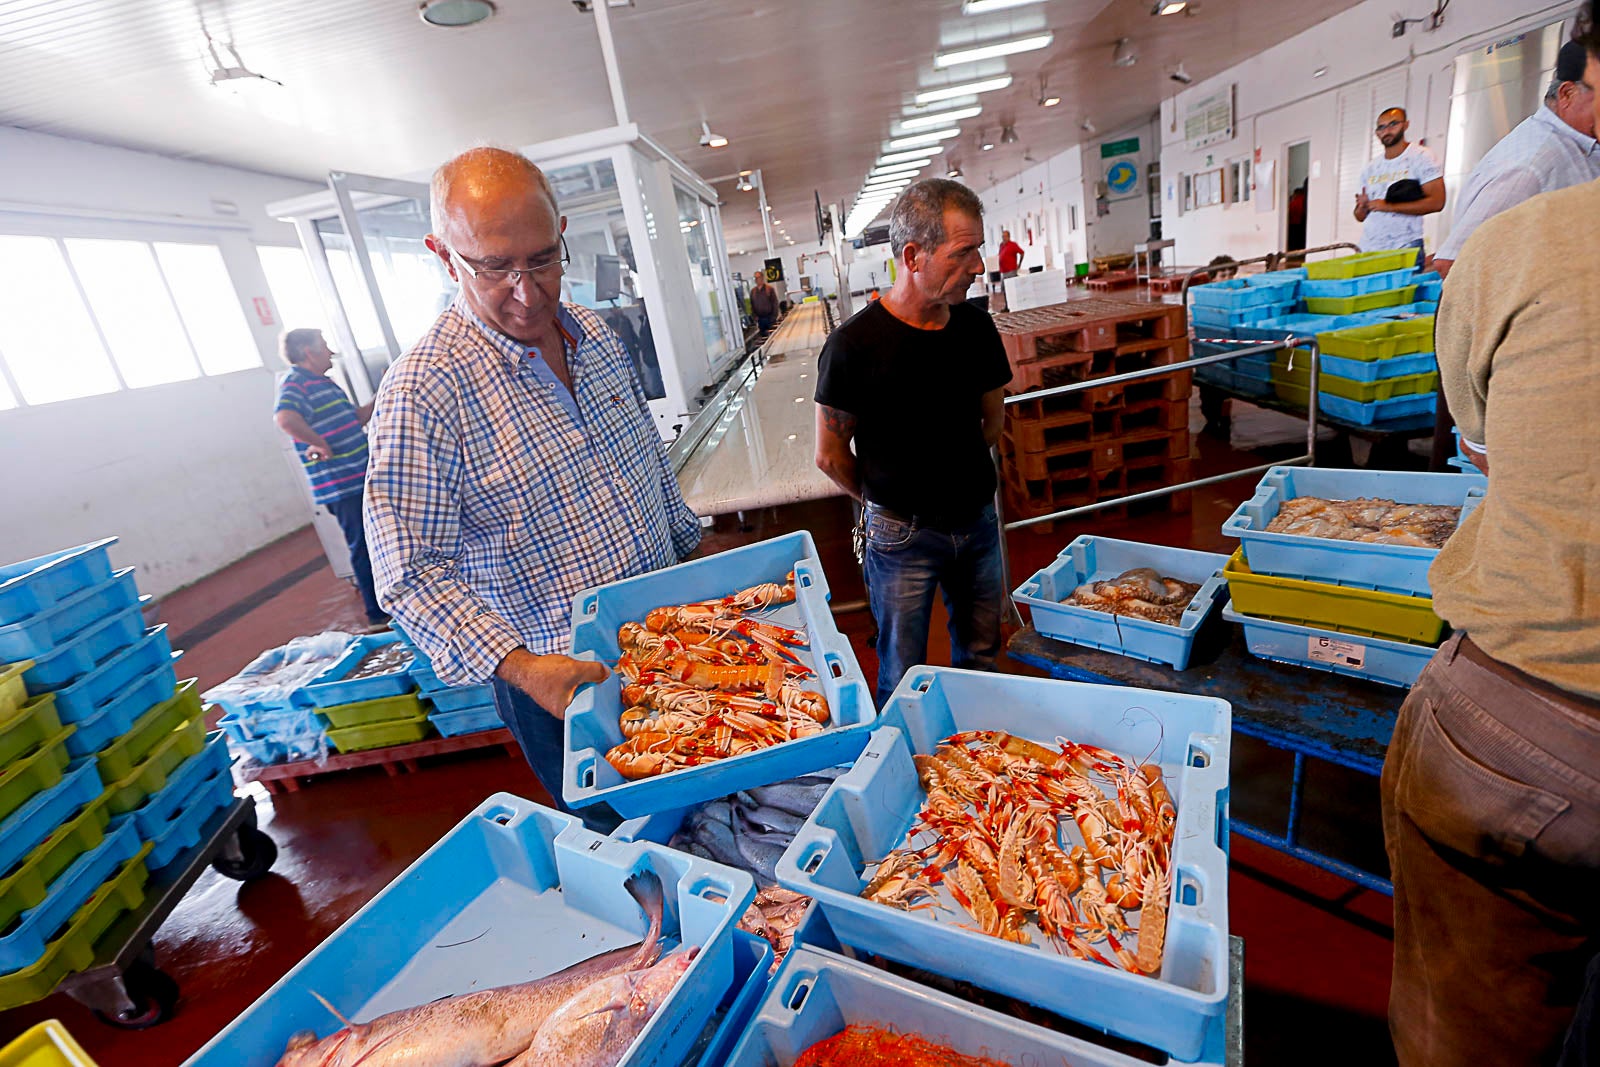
x=1126, y=147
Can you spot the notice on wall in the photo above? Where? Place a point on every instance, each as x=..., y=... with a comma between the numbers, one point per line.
x=1336, y=653
x=263, y=310
x=774, y=270
x=1122, y=179
x=1209, y=120
x=1128, y=146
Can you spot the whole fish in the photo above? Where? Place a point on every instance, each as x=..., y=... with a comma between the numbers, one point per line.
x=477, y=1029
x=598, y=1026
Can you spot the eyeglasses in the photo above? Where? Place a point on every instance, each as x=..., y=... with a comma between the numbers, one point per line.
x=504, y=279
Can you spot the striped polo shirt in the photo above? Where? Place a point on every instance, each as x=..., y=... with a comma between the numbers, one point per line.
x=323, y=405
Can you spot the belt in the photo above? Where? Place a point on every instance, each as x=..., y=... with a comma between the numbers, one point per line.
x=1524, y=680
x=942, y=523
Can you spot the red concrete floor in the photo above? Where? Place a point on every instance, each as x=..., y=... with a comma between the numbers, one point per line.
x=1317, y=948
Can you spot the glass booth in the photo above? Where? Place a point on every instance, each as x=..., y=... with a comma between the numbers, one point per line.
x=644, y=233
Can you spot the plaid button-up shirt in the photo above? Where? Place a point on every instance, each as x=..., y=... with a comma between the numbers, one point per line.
x=489, y=506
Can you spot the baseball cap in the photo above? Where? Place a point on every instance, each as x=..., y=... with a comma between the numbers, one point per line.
x=1570, y=62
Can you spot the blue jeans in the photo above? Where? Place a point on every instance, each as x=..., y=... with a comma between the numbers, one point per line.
x=1421, y=258
x=905, y=564
x=764, y=322
x=541, y=738
x=347, y=510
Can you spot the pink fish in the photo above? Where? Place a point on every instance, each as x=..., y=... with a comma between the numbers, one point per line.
x=477, y=1029
x=598, y=1026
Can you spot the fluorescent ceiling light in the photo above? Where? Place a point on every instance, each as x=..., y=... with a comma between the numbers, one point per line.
x=946, y=92
x=921, y=155
x=451, y=13
x=924, y=138
x=1049, y=101
x=983, y=7
x=899, y=168
x=922, y=122
x=1170, y=7
x=993, y=51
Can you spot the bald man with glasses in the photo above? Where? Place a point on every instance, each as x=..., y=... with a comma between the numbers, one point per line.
x=514, y=460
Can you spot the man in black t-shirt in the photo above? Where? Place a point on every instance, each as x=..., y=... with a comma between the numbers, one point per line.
x=917, y=380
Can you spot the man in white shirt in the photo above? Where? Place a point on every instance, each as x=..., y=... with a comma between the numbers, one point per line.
x=1397, y=223
x=1552, y=149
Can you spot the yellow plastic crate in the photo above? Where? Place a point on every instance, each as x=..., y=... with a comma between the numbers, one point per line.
x=1355, y=305
x=13, y=693
x=1364, y=612
x=1379, y=341
x=1299, y=377
x=46, y=1045
x=1361, y=264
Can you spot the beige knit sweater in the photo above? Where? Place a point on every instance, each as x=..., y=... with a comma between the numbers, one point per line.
x=1519, y=355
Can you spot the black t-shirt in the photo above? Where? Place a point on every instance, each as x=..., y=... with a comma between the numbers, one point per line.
x=917, y=399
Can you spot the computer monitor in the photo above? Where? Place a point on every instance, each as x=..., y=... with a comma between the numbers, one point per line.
x=607, y=277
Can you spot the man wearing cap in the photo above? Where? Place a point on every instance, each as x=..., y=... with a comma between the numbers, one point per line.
x=1551, y=149
x=1390, y=220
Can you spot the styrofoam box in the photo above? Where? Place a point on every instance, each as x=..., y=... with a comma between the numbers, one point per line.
x=514, y=892
x=592, y=725
x=1098, y=559
x=1392, y=568
x=867, y=813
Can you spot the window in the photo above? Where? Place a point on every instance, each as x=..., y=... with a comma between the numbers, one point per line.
x=84, y=316
x=294, y=294
x=46, y=335
x=209, y=306
x=1238, y=188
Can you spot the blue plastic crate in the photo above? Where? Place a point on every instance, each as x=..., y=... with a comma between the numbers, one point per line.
x=1418, y=309
x=1475, y=494
x=1236, y=294
x=460, y=698
x=752, y=961
x=140, y=670
x=1097, y=559
x=38, y=584
x=262, y=752
x=1354, y=411
x=868, y=812
x=330, y=689
x=117, y=717
x=65, y=663
x=185, y=782
x=1392, y=568
x=26, y=938
x=1244, y=384
x=208, y=789
x=1375, y=370
x=816, y=994
x=1304, y=324
x=43, y=813
x=243, y=696
x=592, y=720
x=1201, y=315
x=466, y=720
x=1360, y=285
x=1429, y=286
x=37, y=635
x=549, y=891
x=1373, y=658
x=1462, y=464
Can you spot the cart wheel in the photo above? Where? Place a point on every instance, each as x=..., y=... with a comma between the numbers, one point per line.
x=154, y=995
x=257, y=852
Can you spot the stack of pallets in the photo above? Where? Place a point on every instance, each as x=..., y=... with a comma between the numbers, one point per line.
x=1082, y=448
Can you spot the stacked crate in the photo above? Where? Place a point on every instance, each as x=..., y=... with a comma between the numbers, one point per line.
x=1081, y=448
x=453, y=709
x=106, y=773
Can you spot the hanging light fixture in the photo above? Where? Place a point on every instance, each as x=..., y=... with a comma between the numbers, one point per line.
x=1123, y=54
x=236, y=72
x=953, y=172
x=1008, y=134
x=709, y=139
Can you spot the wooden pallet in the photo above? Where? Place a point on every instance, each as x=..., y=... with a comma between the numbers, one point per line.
x=1092, y=325
x=395, y=759
x=1097, y=453
x=1173, y=283
x=1119, y=279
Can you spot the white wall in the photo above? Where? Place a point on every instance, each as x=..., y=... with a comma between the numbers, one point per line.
x=1049, y=197
x=1279, y=101
x=820, y=270
x=191, y=476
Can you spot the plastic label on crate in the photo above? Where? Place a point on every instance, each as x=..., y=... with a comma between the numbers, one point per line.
x=1342, y=653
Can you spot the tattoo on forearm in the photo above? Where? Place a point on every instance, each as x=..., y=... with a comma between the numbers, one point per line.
x=839, y=422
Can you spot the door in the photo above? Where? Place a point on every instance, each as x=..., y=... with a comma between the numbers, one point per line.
x=1297, y=186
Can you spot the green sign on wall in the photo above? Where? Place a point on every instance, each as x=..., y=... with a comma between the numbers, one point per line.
x=1126, y=147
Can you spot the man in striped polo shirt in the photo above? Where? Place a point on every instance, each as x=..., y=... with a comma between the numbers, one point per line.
x=329, y=433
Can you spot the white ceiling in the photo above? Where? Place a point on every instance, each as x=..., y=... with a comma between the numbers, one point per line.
x=805, y=90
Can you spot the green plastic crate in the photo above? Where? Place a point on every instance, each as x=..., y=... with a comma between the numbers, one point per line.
x=1355, y=305
x=73, y=949
x=132, y=790
x=26, y=886
x=120, y=757
x=403, y=708
x=1361, y=264
x=13, y=693
x=27, y=726
x=379, y=735
x=1298, y=379
x=34, y=771
x=1363, y=612
x=1386, y=339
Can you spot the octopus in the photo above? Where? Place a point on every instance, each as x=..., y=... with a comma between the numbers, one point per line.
x=1141, y=593
x=1369, y=520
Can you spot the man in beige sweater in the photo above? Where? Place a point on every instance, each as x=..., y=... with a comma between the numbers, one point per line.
x=1491, y=789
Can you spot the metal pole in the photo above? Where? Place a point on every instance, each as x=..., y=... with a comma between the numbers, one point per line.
x=608, y=53
x=766, y=215
x=1012, y=614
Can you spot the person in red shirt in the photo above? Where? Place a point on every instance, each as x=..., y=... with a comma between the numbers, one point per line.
x=1011, y=253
